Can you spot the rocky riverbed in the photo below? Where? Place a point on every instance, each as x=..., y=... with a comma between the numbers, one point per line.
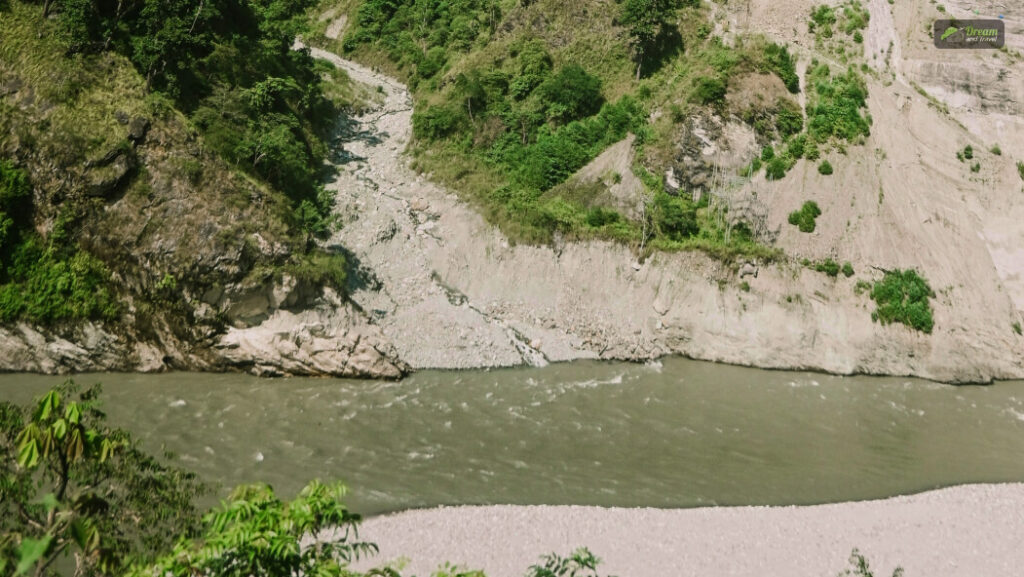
x=963, y=531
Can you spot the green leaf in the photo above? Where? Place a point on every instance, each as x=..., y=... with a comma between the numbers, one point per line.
x=59, y=428
x=30, y=551
x=49, y=501
x=28, y=454
x=47, y=405
x=73, y=413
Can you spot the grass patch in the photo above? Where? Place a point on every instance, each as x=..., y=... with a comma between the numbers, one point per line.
x=903, y=297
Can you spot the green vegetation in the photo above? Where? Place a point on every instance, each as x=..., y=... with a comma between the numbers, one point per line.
x=827, y=266
x=45, y=282
x=506, y=118
x=1016, y=328
x=996, y=150
x=255, y=534
x=859, y=567
x=861, y=287
x=806, y=217
x=835, y=103
x=852, y=17
x=648, y=22
x=966, y=154
x=848, y=270
x=232, y=71
x=73, y=485
x=976, y=167
x=779, y=61
x=421, y=38
x=1020, y=169
x=825, y=168
x=902, y=296
x=822, y=19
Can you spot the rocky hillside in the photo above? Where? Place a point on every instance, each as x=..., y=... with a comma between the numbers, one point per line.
x=797, y=184
x=140, y=247
x=871, y=232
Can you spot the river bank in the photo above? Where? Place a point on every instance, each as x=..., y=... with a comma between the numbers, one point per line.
x=968, y=531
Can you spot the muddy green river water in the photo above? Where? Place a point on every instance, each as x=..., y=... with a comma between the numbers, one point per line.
x=672, y=434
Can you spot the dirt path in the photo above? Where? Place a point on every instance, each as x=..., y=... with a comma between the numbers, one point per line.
x=966, y=531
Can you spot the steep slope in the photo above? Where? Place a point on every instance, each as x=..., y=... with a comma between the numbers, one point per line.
x=452, y=291
x=191, y=247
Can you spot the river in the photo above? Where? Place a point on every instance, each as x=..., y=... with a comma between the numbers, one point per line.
x=674, y=434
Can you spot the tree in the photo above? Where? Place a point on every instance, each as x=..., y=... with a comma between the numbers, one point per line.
x=256, y=534
x=647, y=20
x=69, y=485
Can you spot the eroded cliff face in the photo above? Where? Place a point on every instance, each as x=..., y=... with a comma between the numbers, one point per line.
x=435, y=286
x=451, y=291
x=201, y=258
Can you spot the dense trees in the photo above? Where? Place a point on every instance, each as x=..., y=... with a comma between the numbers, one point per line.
x=230, y=66
x=421, y=35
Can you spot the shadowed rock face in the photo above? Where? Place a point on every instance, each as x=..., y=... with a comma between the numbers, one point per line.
x=195, y=252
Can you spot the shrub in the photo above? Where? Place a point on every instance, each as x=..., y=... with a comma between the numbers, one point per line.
x=1017, y=329
x=805, y=218
x=581, y=563
x=776, y=168
x=822, y=19
x=437, y=122
x=767, y=153
x=827, y=266
x=15, y=208
x=789, y=119
x=571, y=94
x=811, y=151
x=847, y=269
x=1020, y=169
x=783, y=65
x=709, y=90
x=600, y=216
x=675, y=217
x=825, y=168
x=996, y=150
x=902, y=296
x=976, y=167
x=796, y=146
x=969, y=152
x=834, y=108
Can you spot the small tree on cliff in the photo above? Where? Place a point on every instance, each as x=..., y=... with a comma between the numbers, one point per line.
x=647, y=21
